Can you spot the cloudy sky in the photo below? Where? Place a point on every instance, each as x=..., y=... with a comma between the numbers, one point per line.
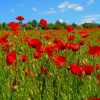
x=78, y=11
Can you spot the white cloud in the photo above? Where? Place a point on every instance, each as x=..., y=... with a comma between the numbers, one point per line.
x=61, y=20
x=90, y=18
x=66, y=5
x=71, y=5
x=90, y=2
x=34, y=9
x=62, y=6
x=12, y=10
x=79, y=8
x=95, y=15
x=50, y=11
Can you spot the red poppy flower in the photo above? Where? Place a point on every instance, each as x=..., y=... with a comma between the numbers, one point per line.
x=3, y=40
x=50, y=49
x=94, y=50
x=20, y=18
x=6, y=35
x=5, y=47
x=81, y=42
x=61, y=45
x=69, y=28
x=71, y=37
x=75, y=69
x=47, y=37
x=68, y=45
x=41, y=49
x=43, y=22
x=37, y=54
x=43, y=70
x=84, y=34
x=56, y=40
x=97, y=66
x=27, y=39
x=80, y=71
x=75, y=47
x=24, y=58
x=11, y=57
x=34, y=43
x=88, y=69
x=59, y=61
x=14, y=27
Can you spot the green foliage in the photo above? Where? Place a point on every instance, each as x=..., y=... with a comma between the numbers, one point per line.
x=29, y=27
x=59, y=25
x=51, y=26
x=34, y=23
x=4, y=26
x=74, y=25
x=90, y=25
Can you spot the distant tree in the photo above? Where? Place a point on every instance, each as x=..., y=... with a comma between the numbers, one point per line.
x=74, y=25
x=51, y=26
x=90, y=25
x=34, y=23
x=5, y=26
x=98, y=25
x=95, y=24
x=59, y=25
x=1, y=27
x=64, y=24
x=29, y=27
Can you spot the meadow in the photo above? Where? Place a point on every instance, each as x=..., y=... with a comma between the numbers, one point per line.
x=50, y=64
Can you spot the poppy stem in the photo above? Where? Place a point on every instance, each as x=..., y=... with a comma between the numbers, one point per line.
x=43, y=88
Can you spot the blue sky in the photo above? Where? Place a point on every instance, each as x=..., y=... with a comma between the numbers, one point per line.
x=69, y=11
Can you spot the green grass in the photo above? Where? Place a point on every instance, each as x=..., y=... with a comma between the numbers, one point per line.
x=59, y=83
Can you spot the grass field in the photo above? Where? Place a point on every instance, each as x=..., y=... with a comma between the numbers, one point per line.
x=57, y=66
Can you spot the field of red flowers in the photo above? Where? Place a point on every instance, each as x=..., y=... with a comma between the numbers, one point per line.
x=49, y=64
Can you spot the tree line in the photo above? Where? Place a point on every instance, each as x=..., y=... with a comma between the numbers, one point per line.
x=33, y=25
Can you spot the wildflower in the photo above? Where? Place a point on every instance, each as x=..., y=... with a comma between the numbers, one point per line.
x=59, y=61
x=20, y=18
x=43, y=22
x=37, y=54
x=69, y=28
x=11, y=57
